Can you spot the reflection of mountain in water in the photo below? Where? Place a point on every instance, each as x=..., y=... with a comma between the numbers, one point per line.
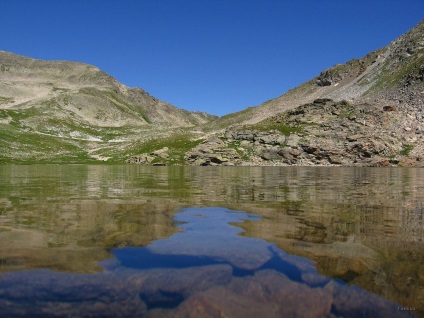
x=206, y=270
x=362, y=225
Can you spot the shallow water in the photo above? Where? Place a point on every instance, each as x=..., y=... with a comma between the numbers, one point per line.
x=240, y=241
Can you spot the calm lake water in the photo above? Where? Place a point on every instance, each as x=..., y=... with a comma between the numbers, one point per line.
x=134, y=241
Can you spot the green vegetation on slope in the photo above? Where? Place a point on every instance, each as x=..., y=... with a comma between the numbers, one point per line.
x=178, y=144
x=20, y=147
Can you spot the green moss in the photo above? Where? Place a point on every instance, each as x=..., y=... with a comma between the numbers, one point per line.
x=406, y=149
x=177, y=145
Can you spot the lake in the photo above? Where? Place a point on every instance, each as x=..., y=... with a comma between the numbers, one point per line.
x=137, y=241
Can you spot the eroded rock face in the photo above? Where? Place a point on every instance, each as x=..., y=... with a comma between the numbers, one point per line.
x=323, y=133
x=212, y=152
x=320, y=133
x=141, y=159
x=381, y=125
x=150, y=157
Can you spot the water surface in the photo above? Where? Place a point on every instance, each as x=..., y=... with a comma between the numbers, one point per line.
x=168, y=241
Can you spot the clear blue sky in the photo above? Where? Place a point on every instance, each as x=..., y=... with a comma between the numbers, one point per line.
x=218, y=56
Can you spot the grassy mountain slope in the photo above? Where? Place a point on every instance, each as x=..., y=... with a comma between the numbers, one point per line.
x=72, y=112
x=368, y=111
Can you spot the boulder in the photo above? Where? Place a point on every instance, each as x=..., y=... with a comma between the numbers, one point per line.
x=295, y=152
x=212, y=152
x=141, y=159
x=245, y=135
x=270, y=154
x=266, y=294
x=246, y=144
x=322, y=101
x=337, y=160
x=161, y=153
x=293, y=140
x=230, y=134
x=216, y=158
x=286, y=153
x=171, y=286
x=280, y=140
x=389, y=108
x=354, y=137
x=324, y=82
x=265, y=139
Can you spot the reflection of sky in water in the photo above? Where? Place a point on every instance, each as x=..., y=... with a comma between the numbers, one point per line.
x=208, y=238
x=206, y=269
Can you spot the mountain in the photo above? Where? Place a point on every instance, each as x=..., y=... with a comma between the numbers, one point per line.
x=83, y=93
x=368, y=111
x=392, y=75
x=57, y=105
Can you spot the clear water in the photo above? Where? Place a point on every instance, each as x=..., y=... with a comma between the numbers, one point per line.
x=131, y=241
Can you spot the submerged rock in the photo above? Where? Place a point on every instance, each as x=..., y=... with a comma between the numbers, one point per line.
x=169, y=287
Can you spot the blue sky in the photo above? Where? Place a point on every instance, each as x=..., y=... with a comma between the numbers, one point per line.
x=218, y=56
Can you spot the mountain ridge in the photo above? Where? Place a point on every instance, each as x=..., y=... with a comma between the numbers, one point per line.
x=32, y=79
x=60, y=111
x=368, y=111
x=337, y=82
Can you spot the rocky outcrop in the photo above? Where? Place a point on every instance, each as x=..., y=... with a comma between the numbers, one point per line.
x=321, y=133
x=150, y=158
x=213, y=152
x=390, y=76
